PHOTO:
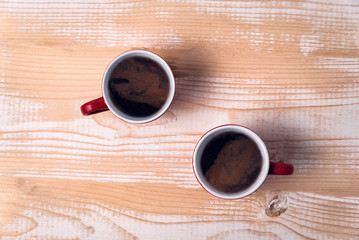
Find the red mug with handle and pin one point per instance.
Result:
(107, 103)
(266, 166)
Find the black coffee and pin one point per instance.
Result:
(231, 162)
(138, 86)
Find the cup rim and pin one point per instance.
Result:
(243, 193)
(115, 110)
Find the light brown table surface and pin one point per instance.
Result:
(289, 70)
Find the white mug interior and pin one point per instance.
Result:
(210, 136)
(106, 79)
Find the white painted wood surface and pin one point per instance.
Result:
(289, 70)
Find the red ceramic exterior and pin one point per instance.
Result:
(100, 104)
(94, 106)
(274, 168)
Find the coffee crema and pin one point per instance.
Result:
(231, 162)
(138, 86)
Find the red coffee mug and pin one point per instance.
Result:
(106, 103)
(267, 167)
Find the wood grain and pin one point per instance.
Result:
(289, 70)
(46, 208)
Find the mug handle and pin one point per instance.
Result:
(280, 169)
(94, 106)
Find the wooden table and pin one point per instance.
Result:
(289, 70)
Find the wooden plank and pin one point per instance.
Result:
(288, 70)
(47, 208)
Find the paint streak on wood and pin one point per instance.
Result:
(289, 70)
(88, 209)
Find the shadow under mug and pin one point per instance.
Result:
(267, 167)
(106, 103)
